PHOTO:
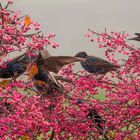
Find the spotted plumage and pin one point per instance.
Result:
(95, 65)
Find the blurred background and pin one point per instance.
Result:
(70, 20)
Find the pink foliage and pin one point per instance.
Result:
(69, 115)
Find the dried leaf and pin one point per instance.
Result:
(4, 83)
(27, 21)
(25, 137)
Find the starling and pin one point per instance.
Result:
(15, 67)
(137, 38)
(42, 78)
(96, 65)
(47, 68)
(46, 82)
(94, 116)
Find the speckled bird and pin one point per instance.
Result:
(96, 65)
(137, 38)
(15, 67)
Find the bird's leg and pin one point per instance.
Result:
(57, 77)
(101, 77)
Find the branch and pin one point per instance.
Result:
(111, 38)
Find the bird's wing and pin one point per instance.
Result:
(45, 54)
(55, 63)
(52, 78)
(61, 78)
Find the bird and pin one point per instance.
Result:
(96, 118)
(96, 65)
(137, 38)
(93, 115)
(43, 80)
(44, 71)
(15, 67)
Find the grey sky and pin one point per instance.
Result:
(70, 19)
